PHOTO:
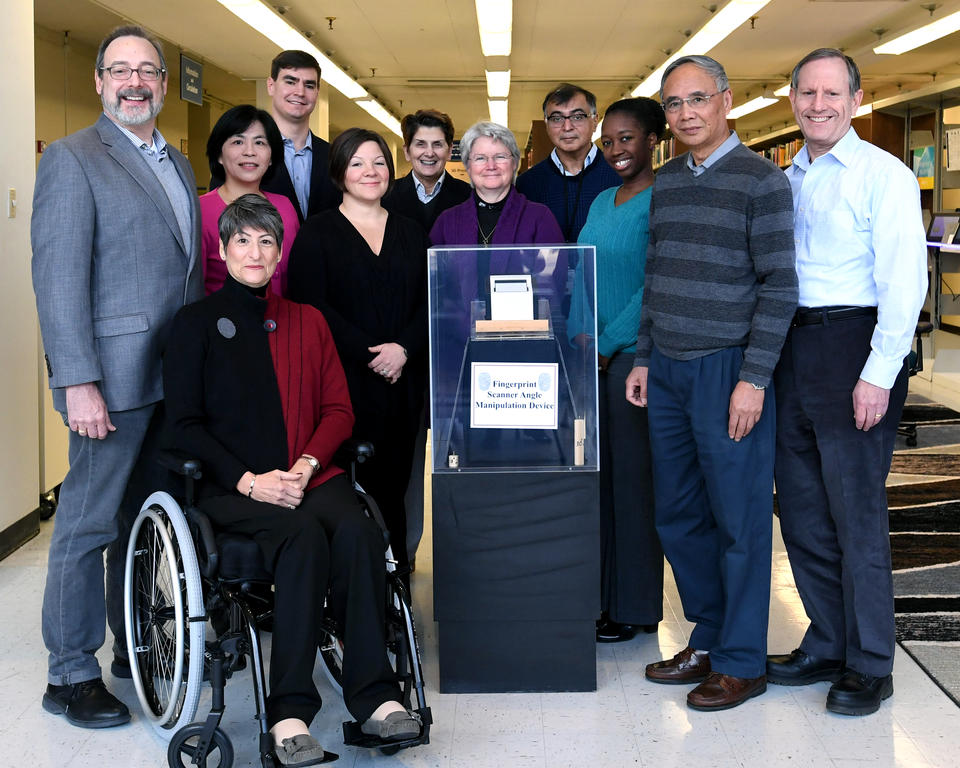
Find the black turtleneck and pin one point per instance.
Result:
(222, 400)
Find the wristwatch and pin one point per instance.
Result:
(758, 387)
(312, 462)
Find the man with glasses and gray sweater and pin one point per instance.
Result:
(720, 291)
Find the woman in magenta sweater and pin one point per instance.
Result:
(243, 150)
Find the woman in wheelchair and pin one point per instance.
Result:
(255, 390)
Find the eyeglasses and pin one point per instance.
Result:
(558, 118)
(697, 101)
(147, 72)
(498, 159)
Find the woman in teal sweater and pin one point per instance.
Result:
(632, 561)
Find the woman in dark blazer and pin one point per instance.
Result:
(365, 269)
(428, 190)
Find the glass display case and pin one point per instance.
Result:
(516, 535)
(513, 362)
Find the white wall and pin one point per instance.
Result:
(19, 390)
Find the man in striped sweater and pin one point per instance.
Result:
(720, 292)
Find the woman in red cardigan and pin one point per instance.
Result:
(254, 388)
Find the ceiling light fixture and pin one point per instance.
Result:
(498, 111)
(720, 25)
(783, 91)
(498, 84)
(379, 112)
(276, 29)
(925, 34)
(751, 106)
(495, 20)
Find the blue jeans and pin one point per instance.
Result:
(88, 520)
(714, 506)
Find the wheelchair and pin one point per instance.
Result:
(180, 574)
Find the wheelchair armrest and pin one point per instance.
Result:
(209, 558)
(924, 327)
(354, 451)
(181, 463)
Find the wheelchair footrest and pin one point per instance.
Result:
(272, 759)
(353, 736)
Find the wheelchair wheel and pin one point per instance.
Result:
(182, 751)
(164, 607)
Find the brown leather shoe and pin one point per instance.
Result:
(725, 691)
(688, 666)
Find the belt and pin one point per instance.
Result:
(827, 315)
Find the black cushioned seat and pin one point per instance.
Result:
(241, 558)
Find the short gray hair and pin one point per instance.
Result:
(711, 66)
(491, 131)
(853, 72)
(251, 211)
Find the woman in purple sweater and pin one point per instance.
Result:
(496, 214)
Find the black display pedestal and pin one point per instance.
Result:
(516, 580)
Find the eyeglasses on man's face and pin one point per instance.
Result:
(697, 101)
(146, 72)
(558, 118)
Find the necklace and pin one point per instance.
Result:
(485, 236)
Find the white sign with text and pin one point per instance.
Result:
(513, 395)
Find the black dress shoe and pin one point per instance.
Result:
(88, 704)
(650, 629)
(858, 694)
(609, 631)
(799, 668)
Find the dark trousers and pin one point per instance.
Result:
(714, 500)
(385, 477)
(831, 492)
(631, 558)
(326, 543)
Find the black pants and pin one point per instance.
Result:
(386, 477)
(631, 558)
(326, 543)
(831, 491)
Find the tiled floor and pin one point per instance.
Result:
(627, 722)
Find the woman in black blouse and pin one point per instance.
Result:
(365, 269)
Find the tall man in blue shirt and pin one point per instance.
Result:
(841, 383)
(303, 176)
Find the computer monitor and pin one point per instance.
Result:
(944, 228)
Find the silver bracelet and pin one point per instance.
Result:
(250, 492)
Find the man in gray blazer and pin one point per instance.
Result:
(115, 234)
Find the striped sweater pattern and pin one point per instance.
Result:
(721, 263)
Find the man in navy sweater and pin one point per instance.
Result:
(569, 180)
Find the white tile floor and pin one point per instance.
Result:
(627, 722)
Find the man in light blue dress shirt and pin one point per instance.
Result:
(841, 384)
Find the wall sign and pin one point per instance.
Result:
(191, 80)
(513, 395)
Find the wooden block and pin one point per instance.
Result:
(512, 326)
